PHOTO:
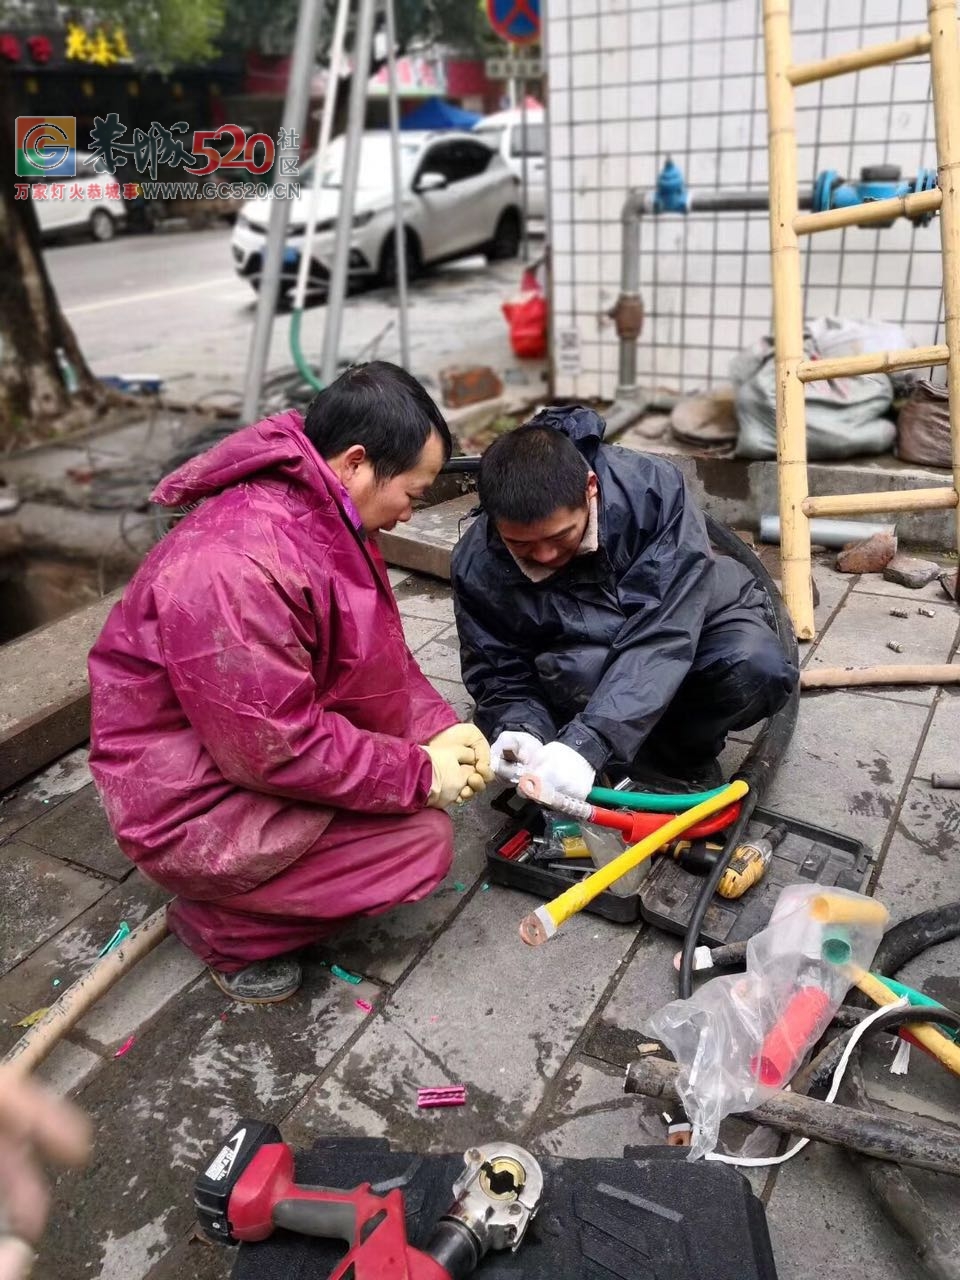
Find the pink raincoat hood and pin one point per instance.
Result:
(276, 445)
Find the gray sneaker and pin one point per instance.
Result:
(264, 982)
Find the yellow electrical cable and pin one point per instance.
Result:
(935, 1042)
(543, 923)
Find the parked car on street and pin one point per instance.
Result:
(100, 216)
(504, 132)
(459, 198)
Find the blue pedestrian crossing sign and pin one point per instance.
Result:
(515, 20)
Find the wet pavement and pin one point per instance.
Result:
(539, 1038)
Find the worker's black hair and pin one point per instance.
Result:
(530, 473)
(380, 406)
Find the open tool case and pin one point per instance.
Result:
(808, 854)
(650, 1214)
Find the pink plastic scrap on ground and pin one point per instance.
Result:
(365, 1005)
(125, 1047)
(451, 1095)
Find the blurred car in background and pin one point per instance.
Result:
(504, 132)
(99, 216)
(459, 198)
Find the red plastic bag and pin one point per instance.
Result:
(527, 318)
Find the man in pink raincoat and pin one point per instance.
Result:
(265, 745)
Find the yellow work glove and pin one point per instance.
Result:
(455, 775)
(467, 735)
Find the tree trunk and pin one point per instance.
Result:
(34, 402)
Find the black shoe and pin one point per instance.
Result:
(264, 982)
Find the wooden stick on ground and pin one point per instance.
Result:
(848, 677)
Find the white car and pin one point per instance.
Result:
(459, 198)
(99, 215)
(504, 132)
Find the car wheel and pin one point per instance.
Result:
(506, 238)
(388, 259)
(102, 226)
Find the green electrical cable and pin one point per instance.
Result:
(648, 801)
(309, 377)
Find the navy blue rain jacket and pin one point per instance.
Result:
(593, 655)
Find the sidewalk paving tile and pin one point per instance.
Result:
(590, 1115)
(40, 896)
(440, 659)
(68, 954)
(38, 794)
(824, 1222)
(847, 763)
(157, 979)
(922, 864)
(480, 1009)
(858, 638)
(164, 1108)
(418, 631)
(421, 597)
(77, 831)
(383, 946)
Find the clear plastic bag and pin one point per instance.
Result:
(740, 1037)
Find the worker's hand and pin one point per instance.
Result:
(467, 735)
(511, 754)
(562, 768)
(35, 1125)
(455, 775)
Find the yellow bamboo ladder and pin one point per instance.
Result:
(787, 224)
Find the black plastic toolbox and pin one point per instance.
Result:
(667, 893)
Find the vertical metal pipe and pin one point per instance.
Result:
(294, 117)
(788, 321)
(945, 70)
(323, 142)
(525, 193)
(398, 222)
(636, 204)
(363, 40)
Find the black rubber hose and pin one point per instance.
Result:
(901, 943)
(818, 1071)
(937, 1249)
(764, 756)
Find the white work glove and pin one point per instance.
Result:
(563, 769)
(511, 754)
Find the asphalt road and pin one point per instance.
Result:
(170, 304)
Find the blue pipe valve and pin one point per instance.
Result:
(671, 195)
(830, 191)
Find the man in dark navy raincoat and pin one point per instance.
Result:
(598, 630)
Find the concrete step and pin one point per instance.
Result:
(45, 709)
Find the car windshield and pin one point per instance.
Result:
(374, 172)
(491, 135)
(534, 145)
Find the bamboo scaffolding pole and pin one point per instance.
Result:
(864, 215)
(873, 362)
(855, 504)
(945, 80)
(788, 320)
(849, 677)
(877, 55)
